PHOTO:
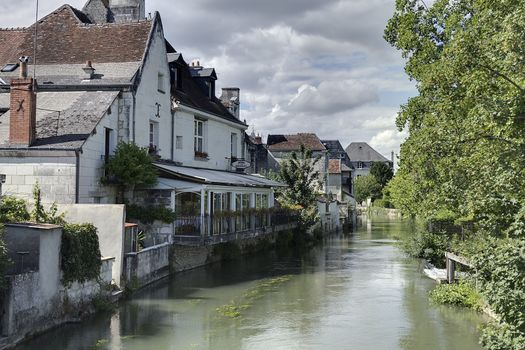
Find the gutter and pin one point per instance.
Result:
(239, 124)
(172, 136)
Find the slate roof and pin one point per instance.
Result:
(72, 74)
(66, 36)
(336, 151)
(362, 152)
(191, 94)
(293, 142)
(203, 72)
(64, 119)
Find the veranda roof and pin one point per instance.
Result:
(215, 177)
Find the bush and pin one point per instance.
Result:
(13, 210)
(500, 269)
(457, 294)
(429, 246)
(80, 253)
(148, 214)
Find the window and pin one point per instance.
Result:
(153, 134)
(359, 165)
(10, 67)
(108, 143)
(160, 82)
(178, 142)
(233, 145)
(199, 137)
(210, 85)
(178, 77)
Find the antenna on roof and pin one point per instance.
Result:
(34, 47)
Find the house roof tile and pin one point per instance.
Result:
(294, 142)
(66, 37)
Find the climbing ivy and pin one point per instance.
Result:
(80, 251)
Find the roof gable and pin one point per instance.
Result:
(362, 152)
(67, 36)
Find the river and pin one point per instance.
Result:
(355, 292)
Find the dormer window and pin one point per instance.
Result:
(10, 67)
(210, 85)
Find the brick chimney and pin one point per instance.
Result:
(22, 122)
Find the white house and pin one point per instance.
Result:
(95, 80)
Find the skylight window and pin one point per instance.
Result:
(10, 67)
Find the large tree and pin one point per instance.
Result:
(382, 173)
(366, 187)
(465, 150)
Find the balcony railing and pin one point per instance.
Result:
(225, 227)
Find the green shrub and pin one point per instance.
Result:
(500, 269)
(13, 210)
(148, 214)
(457, 294)
(383, 203)
(426, 245)
(80, 251)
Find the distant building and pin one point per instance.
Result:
(339, 170)
(281, 147)
(362, 156)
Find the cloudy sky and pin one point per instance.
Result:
(302, 65)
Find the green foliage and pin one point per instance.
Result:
(129, 167)
(426, 245)
(366, 187)
(4, 259)
(465, 151)
(80, 253)
(382, 173)
(148, 214)
(13, 210)
(40, 214)
(298, 172)
(500, 268)
(457, 294)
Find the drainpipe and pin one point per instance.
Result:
(133, 117)
(172, 135)
(77, 177)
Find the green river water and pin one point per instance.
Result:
(355, 292)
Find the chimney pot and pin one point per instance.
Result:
(23, 66)
(89, 70)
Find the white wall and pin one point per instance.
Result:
(217, 136)
(92, 160)
(148, 96)
(109, 220)
(55, 176)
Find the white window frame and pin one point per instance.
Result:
(198, 135)
(153, 133)
(234, 145)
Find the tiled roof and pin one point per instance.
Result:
(334, 166)
(66, 37)
(64, 120)
(294, 142)
(362, 152)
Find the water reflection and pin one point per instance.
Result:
(355, 292)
